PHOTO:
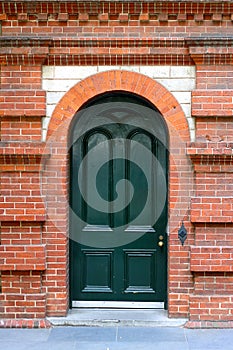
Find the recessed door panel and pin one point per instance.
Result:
(140, 271)
(96, 269)
(92, 212)
(140, 172)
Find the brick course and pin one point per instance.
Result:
(120, 46)
(22, 257)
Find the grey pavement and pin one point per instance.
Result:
(112, 338)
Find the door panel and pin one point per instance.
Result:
(118, 203)
(140, 271)
(91, 216)
(97, 269)
(138, 179)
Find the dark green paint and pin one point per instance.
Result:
(135, 271)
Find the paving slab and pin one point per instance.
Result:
(133, 346)
(168, 334)
(62, 345)
(210, 339)
(82, 334)
(21, 336)
(116, 338)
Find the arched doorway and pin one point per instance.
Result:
(180, 177)
(118, 200)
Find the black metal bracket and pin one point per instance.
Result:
(182, 233)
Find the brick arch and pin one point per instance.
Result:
(114, 80)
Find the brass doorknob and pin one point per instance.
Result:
(160, 244)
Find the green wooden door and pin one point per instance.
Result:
(118, 202)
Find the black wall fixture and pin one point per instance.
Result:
(182, 233)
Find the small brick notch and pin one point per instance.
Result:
(42, 17)
(103, 17)
(123, 17)
(144, 17)
(217, 17)
(3, 16)
(22, 17)
(83, 17)
(63, 17)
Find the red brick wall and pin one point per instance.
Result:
(214, 129)
(211, 208)
(120, 17)
(37, 33)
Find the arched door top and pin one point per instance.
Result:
(116, 80)
(122, 108)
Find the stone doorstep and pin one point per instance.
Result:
(120, 317)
